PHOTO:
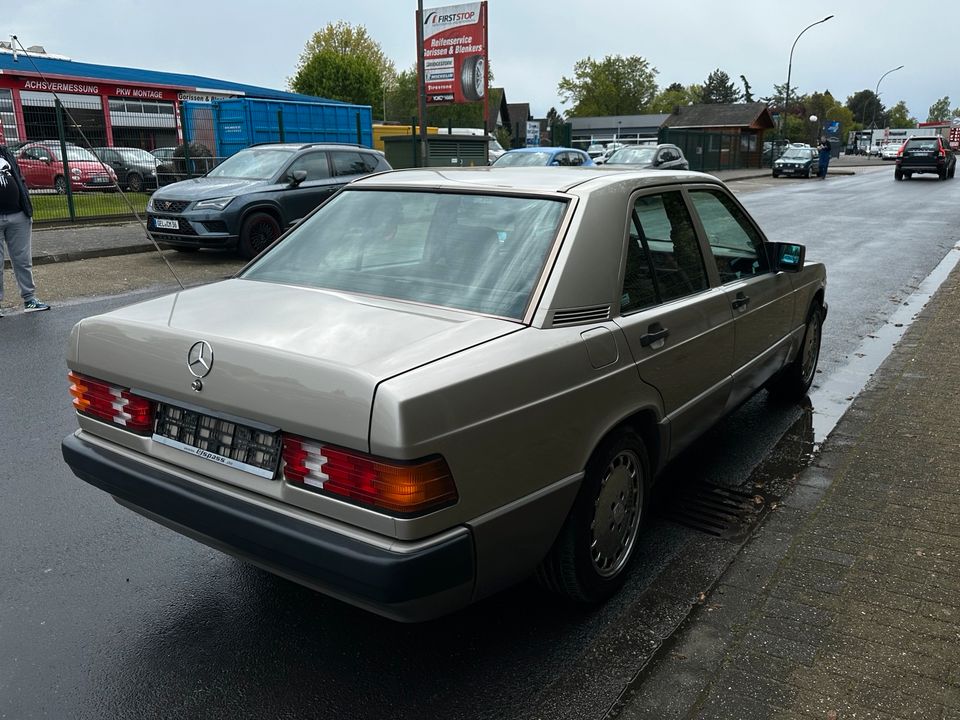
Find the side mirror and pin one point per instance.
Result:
(788, 257)
(297, 177)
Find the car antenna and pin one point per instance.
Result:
(116, 184)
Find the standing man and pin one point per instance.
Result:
(824, 148)
(16, 224)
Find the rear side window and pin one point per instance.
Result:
(664, 261)
(736, 244)
(352, 163)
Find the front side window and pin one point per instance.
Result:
(315, 164)
(664, 261)
(737, 245)
(477, 252)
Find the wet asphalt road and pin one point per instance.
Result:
(104, 614)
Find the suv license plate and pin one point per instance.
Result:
(165, 224)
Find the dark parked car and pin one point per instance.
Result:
(136, 169)
(662, 157)
(796, 161)
(247, 201)
(926, 155)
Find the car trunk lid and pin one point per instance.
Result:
(303, 360)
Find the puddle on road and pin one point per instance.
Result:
(832, 399)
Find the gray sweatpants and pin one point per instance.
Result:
(15, 232)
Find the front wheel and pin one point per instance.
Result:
(591, 555)
(258, 232)
(794, 381)
(60, 185)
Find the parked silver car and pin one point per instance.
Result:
(444, 380)
(664, 156)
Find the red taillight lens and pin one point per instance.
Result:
(111, 403)
(393, 486)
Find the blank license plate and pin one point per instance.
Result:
(166, 224)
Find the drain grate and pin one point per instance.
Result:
(723, 512)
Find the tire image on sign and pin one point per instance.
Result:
(472, 80)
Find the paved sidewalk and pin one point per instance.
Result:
(847, 602)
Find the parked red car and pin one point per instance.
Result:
(41, 165)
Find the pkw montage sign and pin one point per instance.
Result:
(455, 53)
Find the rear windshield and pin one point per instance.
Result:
(633, 156)
(923, 144)
(477, 252)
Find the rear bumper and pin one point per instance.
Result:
(417, 582)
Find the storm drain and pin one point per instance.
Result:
(728, 513)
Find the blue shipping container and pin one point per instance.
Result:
(242, 122)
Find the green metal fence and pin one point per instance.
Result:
(77, 156)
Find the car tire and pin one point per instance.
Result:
(135, 182)
(60, 185)
(584, 565)
(776, 174)
(794, 381)
(257, 233)
(472, 77)
(898, 174)
(952, 171)
(807, 173)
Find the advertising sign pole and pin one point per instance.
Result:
(421, 87)
(486, 95)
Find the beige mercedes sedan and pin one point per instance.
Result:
(444, 381)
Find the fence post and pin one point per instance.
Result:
(280, 124)
(61, 134)
(187, 132)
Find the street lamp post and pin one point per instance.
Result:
(876, 97)
(786, 101)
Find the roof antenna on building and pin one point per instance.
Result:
(13, 45)
(116, 184)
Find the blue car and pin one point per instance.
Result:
(540, 156)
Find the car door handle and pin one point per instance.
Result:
(740, 301)
(656, 333)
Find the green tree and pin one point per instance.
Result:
(674, 95)
(899, 117)
(343, 62)
(940, 110)
(747, 92)
(867, 108)
(719, 88)
(616, 85)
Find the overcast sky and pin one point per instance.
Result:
(533, 43)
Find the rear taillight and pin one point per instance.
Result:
(397, 487)
(111, 403)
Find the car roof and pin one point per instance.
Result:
(549, 149)
(527, 179)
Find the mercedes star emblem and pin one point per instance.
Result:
(200, 359)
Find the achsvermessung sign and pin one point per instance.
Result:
(455, 53)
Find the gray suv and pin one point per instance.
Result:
(247, 201)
